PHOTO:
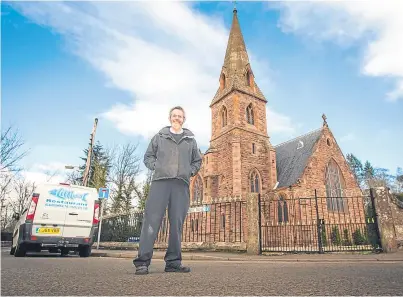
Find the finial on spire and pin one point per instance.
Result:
(234, 2)
(324, 119)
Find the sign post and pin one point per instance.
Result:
(102, 195)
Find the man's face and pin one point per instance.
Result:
(177, 118)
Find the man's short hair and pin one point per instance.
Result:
(177, 107)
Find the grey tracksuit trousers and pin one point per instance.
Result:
(171, 193)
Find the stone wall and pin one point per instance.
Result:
(186, 246)
(397, 215)
(390, 219)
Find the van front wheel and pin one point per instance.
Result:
(85, 251)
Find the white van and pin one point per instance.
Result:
(58, 218)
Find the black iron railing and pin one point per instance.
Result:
(207, 223)
(318, 224)
(121, 228)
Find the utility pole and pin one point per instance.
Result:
(88, 163)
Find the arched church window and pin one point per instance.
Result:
(282, 209)
(254, 181)
(197, 193)
(223, 116)
(334, 187)
(249, 114)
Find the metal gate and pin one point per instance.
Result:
(318, 224)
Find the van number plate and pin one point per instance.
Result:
(47, 230)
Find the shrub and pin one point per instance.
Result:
(358, 238)
(346, 239)
(335, 236)
(324, 237)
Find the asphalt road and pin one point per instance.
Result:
(47, 275)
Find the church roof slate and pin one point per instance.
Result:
(292, 157)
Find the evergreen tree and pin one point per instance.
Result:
(356, 167)
(143, 194)
(369, 171)
(399, 184)
(99, 168)
(399, 177)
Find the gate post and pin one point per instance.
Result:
(384, 219)
(374, 214)
(319, 225)
(253, 227)
(259, 201)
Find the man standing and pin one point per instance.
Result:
(174, 157)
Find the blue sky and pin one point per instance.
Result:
(63, 64)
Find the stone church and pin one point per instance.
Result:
(241, 159)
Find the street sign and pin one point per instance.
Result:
(103, 193)
(204, 208)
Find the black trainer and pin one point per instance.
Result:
(179, 268)
(141, 270)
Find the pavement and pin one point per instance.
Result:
(51, 275)
(223, 256)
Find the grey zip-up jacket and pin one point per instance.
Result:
(169, 159)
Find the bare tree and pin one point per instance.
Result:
(23, 191)
(50, 174)
(124, 171)
(15, 194)
(10, 152)
(75, 177)
(5, 190)
(5, 185)
(142, 191)
(6, 217)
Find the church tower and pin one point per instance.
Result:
(240, 159)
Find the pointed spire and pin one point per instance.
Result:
(236, 71)
(236, 56)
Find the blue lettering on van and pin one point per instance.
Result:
(66, 194)
(66, 204)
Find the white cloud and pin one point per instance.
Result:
(162, 53)
(279, 123)
(38, 177)
(378, 24)
(40, 173)
(51, 167)
(348, 137)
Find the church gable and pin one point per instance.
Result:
(326, 165)
(292, 157)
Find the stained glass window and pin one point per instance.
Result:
(254, 181)
(334, 187)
